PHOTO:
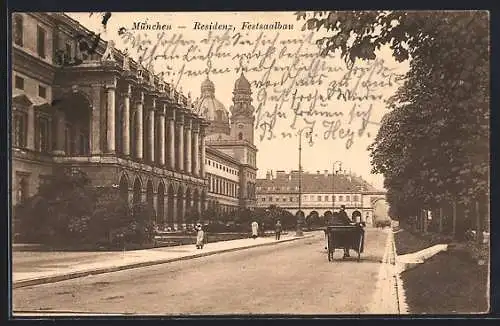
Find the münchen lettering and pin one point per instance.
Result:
(153, 27)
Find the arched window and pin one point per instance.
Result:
(22, 188)
(42, 136)
(240, 136)
(18, 30)
(19, 128)
(218, 115)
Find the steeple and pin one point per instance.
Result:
(242, 94)
(242, 119)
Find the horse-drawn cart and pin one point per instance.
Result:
(345, 236)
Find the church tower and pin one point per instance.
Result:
(242, 118)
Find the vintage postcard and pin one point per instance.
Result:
(249, 163)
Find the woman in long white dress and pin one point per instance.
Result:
(255, 229)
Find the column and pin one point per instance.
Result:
(30, 128)
(76, 139)
(165, 208)
(198, 207)
(110, 118)
(95, 127)
(130, 199)
(196, 155)
(126, 122)
(155, 208)
(60, 125)
(180, 143)
(187, 146)
(182, 213)
(171, 141)
(139, 128)
(202, 165)
(144, 197)
(174, 210)
(151, 133)
(161, 131)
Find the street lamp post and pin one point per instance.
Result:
(299, 213)
(333, 182)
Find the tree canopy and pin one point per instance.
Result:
(433, 146)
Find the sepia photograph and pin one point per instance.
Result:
(273, 163)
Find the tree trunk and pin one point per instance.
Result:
(425, 220)
(440, 220)
(419, 220)
(479, 224)
(454, 227)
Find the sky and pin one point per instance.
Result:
(339, 108)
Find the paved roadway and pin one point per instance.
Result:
(287, 278)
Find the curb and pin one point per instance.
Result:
(58, 278)
(400, 291)
(412, 260)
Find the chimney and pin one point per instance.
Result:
(268, 175)
(326, 173)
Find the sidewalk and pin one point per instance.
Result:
(32, 268)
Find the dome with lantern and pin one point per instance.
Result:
(212, 109)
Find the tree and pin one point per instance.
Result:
(60, 211)
(433, 146)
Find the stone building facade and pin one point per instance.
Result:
(320, 193)
(79, 102)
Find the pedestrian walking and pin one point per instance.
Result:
(200, 237)
(278, 228)
(255, 229)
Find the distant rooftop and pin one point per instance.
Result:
(320, 182)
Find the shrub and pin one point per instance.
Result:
(68, 212)
(382, 223)
(216, 227)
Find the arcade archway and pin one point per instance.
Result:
(136, 199)
(124, 188)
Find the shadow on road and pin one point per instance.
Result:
(337, 258)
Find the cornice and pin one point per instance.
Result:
(31, 66)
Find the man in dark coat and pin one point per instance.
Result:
(343, 217)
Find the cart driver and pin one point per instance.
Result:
(341, 218)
